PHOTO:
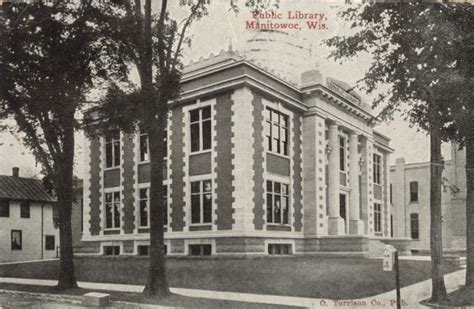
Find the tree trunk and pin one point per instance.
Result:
(64, 190)
(470, 211)
(157, 283)
(155, 117)
(438, 292)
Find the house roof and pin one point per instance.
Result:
(19, 188)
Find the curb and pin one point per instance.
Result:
(77, 300)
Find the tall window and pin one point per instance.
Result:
(391, 225)
(112, 210)
(414, 226)
(414, 191)
(145, 148)
(24, 209)
(201, 136)
(276, 131)
(143, 207)
(144, 220)
(112, 149)
(4, 209)
(391, 192)
(342, 153)
(277, 202)
(201, 201)
(377, 218)
(377, 169)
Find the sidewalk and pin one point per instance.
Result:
(411, 295)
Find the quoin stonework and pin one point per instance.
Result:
(256, 164)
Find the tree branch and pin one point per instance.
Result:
(183, 32)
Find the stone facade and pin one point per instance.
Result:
(284, 169)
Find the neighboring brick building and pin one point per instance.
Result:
(411, 202)
(27, 230)
(256, 165)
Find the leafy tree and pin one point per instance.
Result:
(152, 44)
(49, 60)
(418, 48)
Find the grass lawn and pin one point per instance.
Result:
(173, 300)
(316, 277)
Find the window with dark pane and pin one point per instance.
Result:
(414, 226)
(201, 130)
(49, 243)
(200, 249)
(414, 191)
(342, 153)
(377, 169)
(4, 208)
(112, 149)
(277, 202)
(25, 209)
(144, 149)
(377, 217)
(143, 250)
(16, 240)
(112, 210)
(143, 207)
(112, 250)
(201, 201)
(276, 131)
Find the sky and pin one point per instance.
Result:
(223, 27)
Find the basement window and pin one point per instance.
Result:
(145, 250)
(200, 249)
(111, 250)
(279, 249)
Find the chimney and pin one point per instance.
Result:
(16, 171)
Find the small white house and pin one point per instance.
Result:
(27, 230)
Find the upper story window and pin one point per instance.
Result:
(342, 153)
(4, 209)
(112, 210)
(145, 148)
(201, 201)
(112, 149)
(414, 191)
(377, 169)
(276, 131)
(24, 209)
(414, 226)
(277, 202)
(378, 218)
(201, 135)
(144, 217)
